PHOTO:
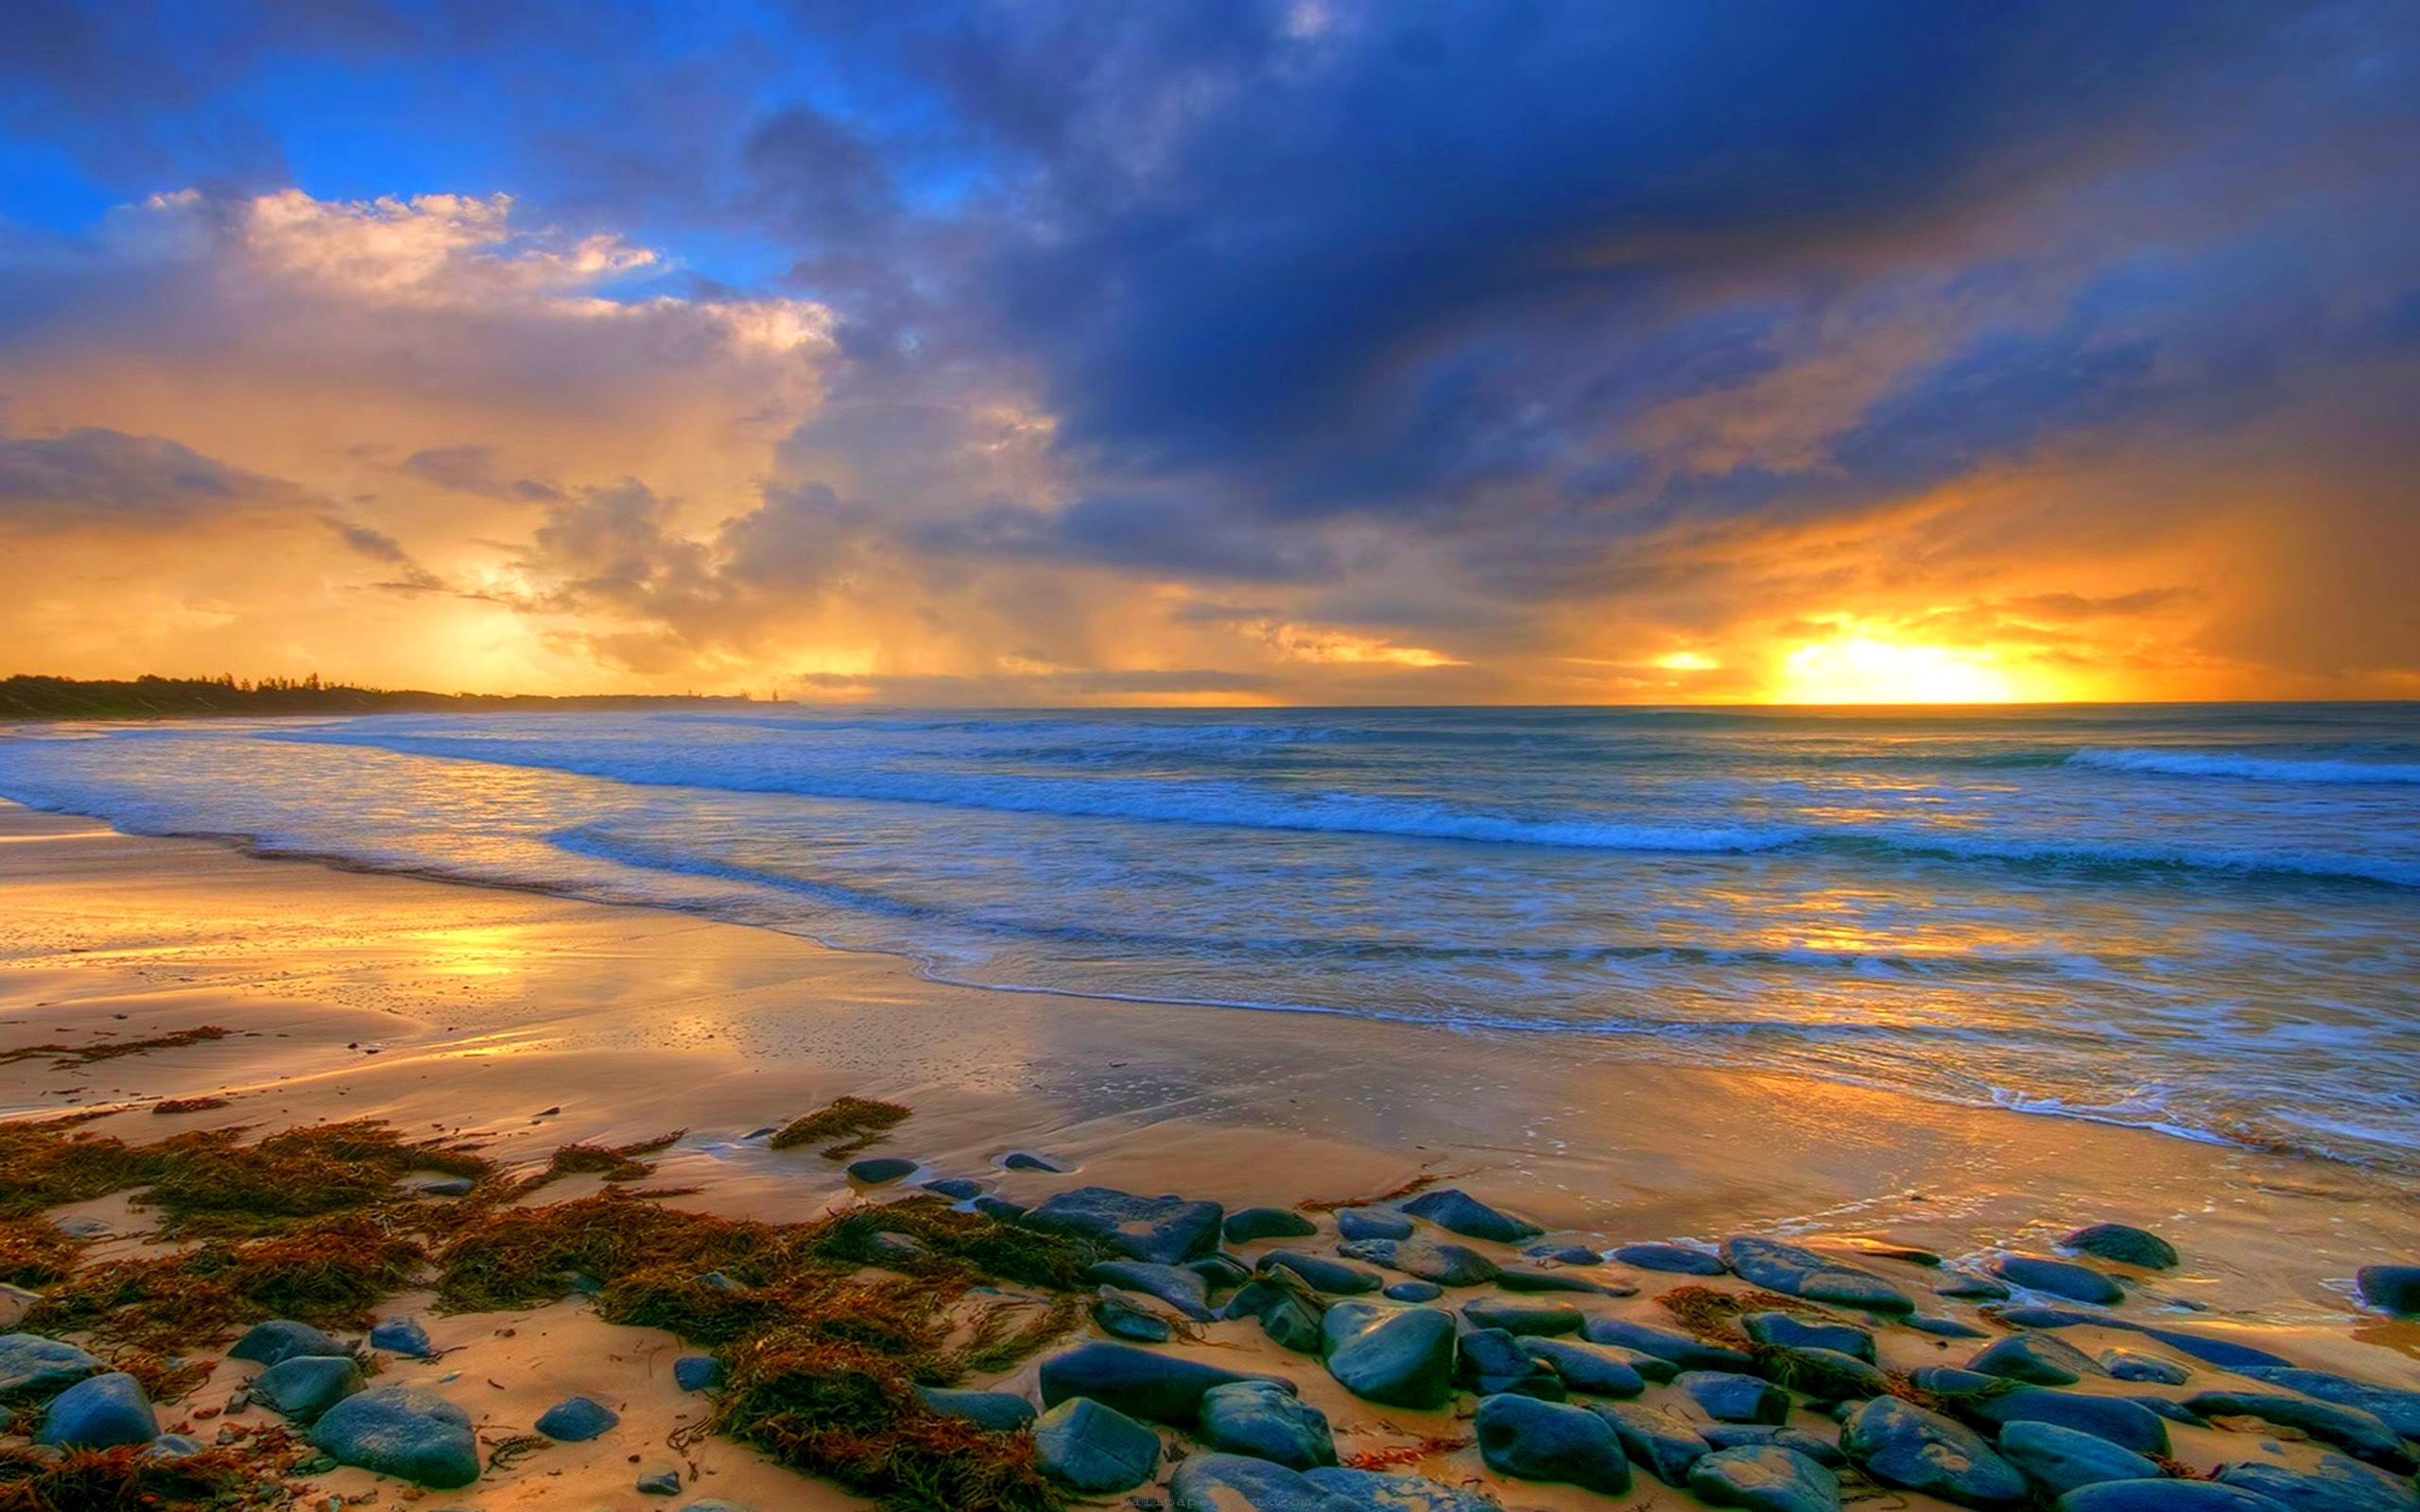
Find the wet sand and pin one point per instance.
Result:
(532, 1022)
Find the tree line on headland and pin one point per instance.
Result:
(25, 696)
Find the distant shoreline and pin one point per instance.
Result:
(24, 697)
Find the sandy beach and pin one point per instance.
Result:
(526, 1023)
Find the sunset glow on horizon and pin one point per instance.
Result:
(1334, 353)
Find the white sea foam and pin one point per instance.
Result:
(2245, 768)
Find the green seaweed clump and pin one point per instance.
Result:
(222, 1478)
(210, 1182)
(614, 1163)
(328, 1273)
(856, 1122)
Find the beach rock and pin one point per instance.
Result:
(1159, 1387)
(577, 1419)
(1447, 1265)
(304, 1385)
(2126, 1424)
(1257, 1418)
(282, 1338)
(1733, 1435)
(1027, 1160)
(2390, 1288)
(1218, 1272)
(1094, 1449)
(1946, 1328)
(1679, 1260)
(2124, 1244)
(1165, 1230)
(1375, 1491)
(660, 1483)
(1000, 1410)
(713, 1503)
(1335, 1277)
(1119, 1318)
(405, 1336)
(2059, 1277)
(1903, 1445)
(446, 1186)
(956, 1187)
(1531, 1319)
(1489, 1360)
(1245, 1225)
(31, 1366)
(1546, 1279)
(1371, 1223)
(896, 1248)
(99, 1411)
(2224, 1353)
(172, 1446)
(1550, 1441)
(399, 1431)
(1400, 1356)
(2335, 1484)
(1662, 1441)
(1783, 1331)
(1971, 1289)
(880, 1170)
(2036, 1359)
(1728, 1398)
(1180, 1289)
(1765, 1478)
(1414, 1291)
(1799, 1272)
(2127, 1365)
(1238, 1483)
(2175, 1412)
(1451, 1207)
(2396, 1408)
(1685, 1350)
(1954, 1385)
(1564, 1254)
(698, 1372)
(2357, 1432)
(1289, 1311)
(2163, 1496)
(1589, 1368)
(1827, 1375)
(2057, 1460)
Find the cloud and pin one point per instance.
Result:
(96, 479)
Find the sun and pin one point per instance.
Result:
(1864, 669)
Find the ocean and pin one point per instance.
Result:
(2202, 919)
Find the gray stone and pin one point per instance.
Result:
(1765, 1478)
(281, 1338)
(2124, 1244)
(1551, 1441)
(1166, 1229)
(2126, 1424)
(304, 1385)
(448, 1186)
(697, 1372)
(1289, 1309)
(1781, 1331)
(1528, 1319)
(1027, 1160)
(1238, 1483)
(1661, 1441)
(2059, 1277)
(1257, 1418)
(1400, 1356)
(1679, 1260)
(1000, 1210)
(1158, 1387)
(1412, 1291)
(2129, 1364)
(1825, 1374)
(1971, 1289)
(1798, 1441)
(1946, 1328)
(31, 1366)
(405, 1336)
(2057, 1460)
(1375, 1491)
(1218, 1272)
(2224, 1353)
(2396, 1408)
(1000, 1410)
(1801, 1272)
(172, 1446)
(577, 1419)
(1114, 1315)
(1335, 1277)
(880, 1170)
(1450, 1208)
(2357, 1432)
(1594, 1369)
(2163, 1496)
(1905, 1446)
(399, 1431)
(1371, 1223)
(660, 1483)
(897, 1249)
(1728, 1398)
(1095, 1448)
(1489, 1360)
(1245, 1225)
(956, 1187)
(2390, 1288)
(1180, 1289)
(1685, 1350)
(2036, 1359)
(99, 1411)
(1447, 1265)
(2335, 1484)
(1564, 1254)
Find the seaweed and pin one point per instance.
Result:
(188, 1105)
(1714, 1315)
(614, 1163)
(33, 1251)
(112, 1048)
(44, 1163)
(856, 1122)
(327, 1273)
(211, 1183)
(223, 1478)
(1412, 1187)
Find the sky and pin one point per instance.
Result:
(1320, 351)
